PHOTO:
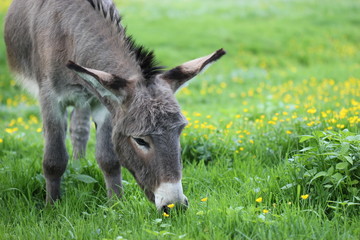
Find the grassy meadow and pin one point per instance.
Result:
(272, 149)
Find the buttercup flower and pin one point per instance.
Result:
(171, 205)
(306, 196)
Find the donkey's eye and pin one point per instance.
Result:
(142, 142)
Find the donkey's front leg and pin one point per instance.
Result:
(55, 154)
(79, 130)
(105, 155)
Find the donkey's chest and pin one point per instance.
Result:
(76, 96)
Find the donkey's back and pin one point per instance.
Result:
(42, 36)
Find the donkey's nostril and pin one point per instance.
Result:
(166, 209)
(186, 202)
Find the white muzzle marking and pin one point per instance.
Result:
(168, 193)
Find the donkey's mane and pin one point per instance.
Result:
(145, 58)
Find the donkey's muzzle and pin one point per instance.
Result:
(169, 195)
(178, 207)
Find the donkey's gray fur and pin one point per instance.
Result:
(131, 100)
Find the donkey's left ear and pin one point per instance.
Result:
(183, 73)
(110, 89)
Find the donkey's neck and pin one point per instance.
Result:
(128, 54)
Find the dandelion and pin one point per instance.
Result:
(251, 141)
(12, 123)
(306, 196)
(229, 125)
(204, 199)
(20, 120)
(166, 215)
(1, 140)
(33, 119)
(259, 200)
(265, 211)
(310, 123)
(38, 130)
(223, 85)
(288, 132)
(11, 130)
(171, 205)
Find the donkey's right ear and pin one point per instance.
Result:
(108, 88)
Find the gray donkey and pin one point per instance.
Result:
(128, 95)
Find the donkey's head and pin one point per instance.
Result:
(147, 123)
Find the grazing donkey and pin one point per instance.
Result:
(129, 97)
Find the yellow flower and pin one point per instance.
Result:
(306, 196)
(171, 205)
(38, 130)
(204, 199)
(12, 123)
(265, 211)
(1, 140)
(11, 130)
(229, 125)
(166, 215)
(259, 200)
(223, 85)
(20, 120)
(33, 119)
(288, 132)
(311, 110)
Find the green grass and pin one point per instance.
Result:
(292, 69)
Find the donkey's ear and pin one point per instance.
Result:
(183, 73)
(108, 88)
